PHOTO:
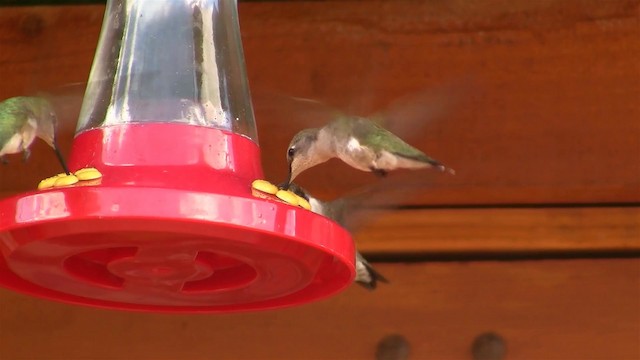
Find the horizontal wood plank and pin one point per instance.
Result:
(549, 114)
(580, 309)
(503, 231)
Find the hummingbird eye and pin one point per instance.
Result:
(291, 152)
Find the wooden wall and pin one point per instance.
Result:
(541, 122)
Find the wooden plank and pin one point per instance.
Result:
(581, 309)
(503, 231)
(531, 128)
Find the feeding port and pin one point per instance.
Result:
(172, 224)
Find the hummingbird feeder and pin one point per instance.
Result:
(172, 225)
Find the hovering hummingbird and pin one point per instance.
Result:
(337, 210)
(359, 142)
(22, 119)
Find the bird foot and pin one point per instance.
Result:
(378, 172)
(26, 153)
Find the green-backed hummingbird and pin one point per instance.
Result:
(22, 119)
(360, 142)
(338, 211)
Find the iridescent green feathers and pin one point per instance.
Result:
(16, 112)
(13, 116)
(379, 139)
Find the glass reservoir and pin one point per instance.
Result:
(170, 61)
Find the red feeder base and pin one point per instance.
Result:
(169, 229)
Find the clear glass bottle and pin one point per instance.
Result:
(169, 61)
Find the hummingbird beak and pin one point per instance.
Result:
(56, 149)
(287, 182)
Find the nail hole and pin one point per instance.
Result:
(393, 347)
(32, 25)
(488, 346)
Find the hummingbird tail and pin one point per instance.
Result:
(424, 159)
(371, 281)
(438, 165)
(443, 168)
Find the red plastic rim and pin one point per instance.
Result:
(169, 229)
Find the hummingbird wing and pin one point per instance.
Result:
(66, 100)
(408, 115)
(296, 113)
(13, 116)
(379, 139)
(361, 206)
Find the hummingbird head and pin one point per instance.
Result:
(302, 153)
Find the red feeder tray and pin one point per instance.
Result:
(169, 228)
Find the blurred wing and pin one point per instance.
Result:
(278, 118)
(409, 115)
(296, 112)
(282, 115)
(66, 101)
(368, 202)
(371, 83)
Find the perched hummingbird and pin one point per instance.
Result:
(22, 119)
(360, 143)
(337, 211)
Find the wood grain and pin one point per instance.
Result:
(543, 309)
(546, 109)
(503, 231)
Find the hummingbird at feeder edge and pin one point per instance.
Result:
(337, 210)
(22, 119)
(361, 143)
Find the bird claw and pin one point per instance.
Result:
(26, 153)
(379, 172)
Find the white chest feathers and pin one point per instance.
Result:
(356, 155)
(316, 206)
(362, 273)
(353, 144)
(21, 140)
(364, 158)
